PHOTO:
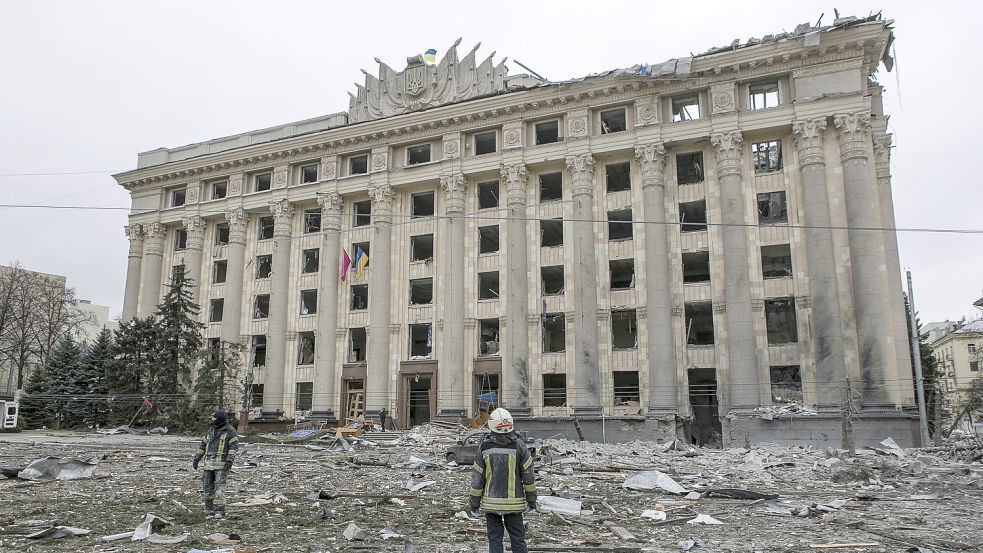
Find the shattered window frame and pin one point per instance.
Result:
(306, 348)
(766, 156)
(691, 261)
(613, 120)
(418, 154)
(617, 177)
(620, 225)
(308, 301)
(220, 270)
(265, 226)
(772, 208)
(419, 335)
(776, 261)
(216, 310)
(622, 268)
(696, 223)
(764, 95)
(786, 383)
(312, 221)
(256, 395)
(421, 291)
(781, 321)
(359, 297)
(180, 239)
(552, 290)
(311, 259)
(418, 252)
(550, 187)
(628, 318)
(555, 390)
(261, 306)
(550, 225)
(689, 168)
(264, 266)
(557, 337)
(684, 107)
(489, 285)
(489, 239)
(222, 234)
(545, 135)
(488, 194)
(626, 387)
(419, 207)
(702, 335)
(257, 350)
(304, 396)
(491, 329)
(357, 336)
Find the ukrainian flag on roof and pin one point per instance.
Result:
(430, 56)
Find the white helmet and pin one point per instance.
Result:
(500, 421)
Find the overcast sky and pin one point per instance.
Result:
(84, 86)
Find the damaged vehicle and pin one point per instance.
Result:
(465, 450)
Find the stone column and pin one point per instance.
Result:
(868, 298)
(453, 370)
(380, 297)
(661, 360)
(236, 266)
(131, 294)
(153, 260)
(742, 355)
(587, 383)
(827, 326)
(515, 384)
(276, 348)
(325, 361)
(195, 227)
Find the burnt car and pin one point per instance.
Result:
(465, 450)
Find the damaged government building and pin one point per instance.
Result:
(646, 251)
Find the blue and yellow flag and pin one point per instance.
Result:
(361, 260)
(430, 56)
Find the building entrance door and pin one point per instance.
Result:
(417, 399)
(705, 430)
(354, 399)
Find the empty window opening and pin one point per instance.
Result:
(550, 187)
(312, 221)
(219, 189)
(554, 390)
(488, 337)
(362, 213)
(974, 366)
(256, 395)
(693, 216)
(689, 168)
(613, 120)
(626, 387)
(421, 341)
(308, 302)
(356, 345)
(219, 271)
(622, 274)
(696, 267)
(484, 143)
(261, 308)
(780, 320)
(421, 291)
(786, 384)
(776, 261)
(312, 260)
(423, 204)
(705, 428)
(264, 266)
(360, 297)
(772, 208)
(216, 308)
(258, 349)
(699, 323)
(180, 239)
(763, 96)
(686, 108)
(262, 181)
(547, 132)
(222, 234)
(624, 330)
(421, 247)
(356, 258)
(266, 228)
(358, 165)
(308, 173)
(618, 176)
(554, 333)
(552, 280)
(488, 239)
(767, 156)
(177, 197)
(305, 396)
(550, 233)
(305, 348)
(488, 285)
(619, 225)
(418, 154)
(488, 194)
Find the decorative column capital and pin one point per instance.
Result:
(331, 204)
(235, 184)
(237, 225)
(195, 226)
(135, 235)
(283, 216)
(651, 159)
(808, 138)
(729, 147)
(382, 203)
(581, 168)
(882, 155)
(514, 175)
(154, 233)
(454, 187)
(853, 129)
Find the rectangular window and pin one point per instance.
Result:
(772, 208)
(699, 323)
(177, 197)
(421, 291)
(488, 285)
(258, 349)
(619, 225)
(216, 308)
(776, 261)
(312, 260)
(552, 278)
(613, 120)
(219, 189)
(305, 348)
(261, 308)
(365, 252)
(686, 108)
(547, 132)
(488, 239)
(305, 396)
(618, 176)
(358, 165)
(554, 390)
(312, 221)
(308, 173)
(786, 384)
(763, 95)
(256, 395)
(554, 333)
(219, 270)
(421, 341)
(360, 297)
(421, 247)
(180, 239)
(488, 194)
(356, 345)
(780, 321)
(264, 266)
(689, 168)
(971, 349)
(265, 228)
(626, 387)
(974, 366)
(488, 337)
(308, 302)
(550, 233)
(624, 330)
(362, 213)
(696, 267)
(262, 181)
(485, 143)
(423, 204)
(550, 187)
(418, 154)
(222, 234)
(622, 274)
(767, 156)
(692, 216)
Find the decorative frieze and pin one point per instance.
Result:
(514, 175)
(283, 215)
(382, 203)
(853, 130)
(728, 146)
(331, 203)
(454, 187)
(722, 97)
(581, 168)
(603, 314)
(237, 220)
(533, 320)
(808, 137)
(651, 159)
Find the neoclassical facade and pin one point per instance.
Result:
(651, 250)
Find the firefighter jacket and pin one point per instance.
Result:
(218, 447)
(502, 479)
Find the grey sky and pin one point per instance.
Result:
(87, 85)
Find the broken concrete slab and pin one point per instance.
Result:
(58, 532)
(59, 468)
(652, 479)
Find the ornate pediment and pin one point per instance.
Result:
(422, 85)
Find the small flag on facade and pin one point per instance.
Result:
(430, 56)
(361, 260)
(147, 404)
(249, 266)
(345, 263)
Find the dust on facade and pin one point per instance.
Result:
(649, 250)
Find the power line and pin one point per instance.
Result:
(58, 173)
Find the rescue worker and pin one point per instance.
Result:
(503, 483)
(217, 449)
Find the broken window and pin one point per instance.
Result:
(305, 396)
(222, 234)
(767, 156)
(219, 189)
(177, 197)
(261, 308)
(418, 154)
(488, 285)
(213, 349)
(776, 261)
(780, 321)
(552, 280)
(258, 349)
(421, 247)
(488, 339)
(619, 225)
(550, 233)
(484, 143)
(308, 302)
(219, 270)
(488, 239)
(262, 181)
(699, 323)
(618, 176)
(547, 132)
(423, 205)
(265, 228)
(772, 208)
(308, 173)
(264, 266)
(421, 341)
(256, 395)
(689, 168)
(180, 239)
(626, 387)
(696, 267)
(550, 187)
(622, 274)
(488, 194)
(312, 221)
(763, 95)
(692, 216)
(312, 260)
(358, 165)
(613, 120)
(686, 108)
(421, 291)
(554, 333)
(786, 384)
(305, 348)
(554, 390)
(360, 297)
(216, 308)
(624, 329)
(362, 213)
(364, 246)
(356, 345)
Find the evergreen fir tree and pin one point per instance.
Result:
(134, 353)
(180, 344)
(34, 403)
(95, 367)
(68, 390)
(218, 385)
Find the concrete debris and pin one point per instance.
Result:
(688, 544)
(353, 532)
(752, 462)
(57, 468)
(703, 519)
(652, 479)
(560, 505)
(654, 514)
(58, 532)
(892, 448)
(785, 410)
(419, 485)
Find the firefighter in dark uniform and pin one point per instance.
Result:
(217, 450)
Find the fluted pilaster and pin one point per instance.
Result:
(134, 262)
(153, 260)
(452, 375)
(325, 363)
(515, 385)
(274, 393)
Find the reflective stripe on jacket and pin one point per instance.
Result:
(502, 479)
(218, 447)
